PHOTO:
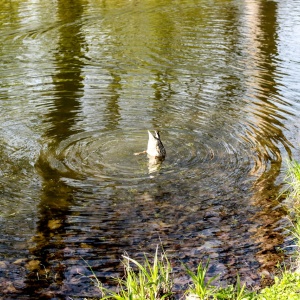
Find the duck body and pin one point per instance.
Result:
(155, 147)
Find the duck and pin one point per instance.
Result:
(155, 146)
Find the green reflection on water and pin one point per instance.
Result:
(204, 72)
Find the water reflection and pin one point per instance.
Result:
(60, 121)
(207, 74)
(112, 114)
(266, 126)
(266, 130)
(154, 164)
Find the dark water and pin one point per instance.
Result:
(81, 82)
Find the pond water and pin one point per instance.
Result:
(81, 83)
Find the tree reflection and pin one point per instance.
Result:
(59, 123)
(111, 113)
(266, 130)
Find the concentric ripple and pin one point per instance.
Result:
(109, 157)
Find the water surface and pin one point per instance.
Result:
(83, 81)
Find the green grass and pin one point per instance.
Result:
(202, 288)
(153, 279)
(150, 281)
(292, 181)
(287, 286)
(292, 194)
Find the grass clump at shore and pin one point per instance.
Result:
(292, 190)
(154, 281)
(150, 281)
(202, 288)
(287, 286)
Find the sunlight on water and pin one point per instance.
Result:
(82, 82)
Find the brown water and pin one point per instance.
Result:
(81, 82)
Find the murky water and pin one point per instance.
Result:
(81, 82)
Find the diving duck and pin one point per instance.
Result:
(155, 147)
